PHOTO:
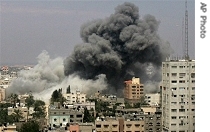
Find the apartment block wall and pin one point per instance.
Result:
(77, 97)
(133, 90)
(59, 116)
(178, 96)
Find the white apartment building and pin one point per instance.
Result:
(178, 95)
(153, 99)
(77, 97)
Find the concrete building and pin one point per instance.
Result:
(107, 125)
(74, 127)
(77, 97)
(178, 95)
(2, 94)
(121, 124)
(8, 128)
(152, 99)
(153, 122)
(88, 105)
(81, 127)
(133, 90)
(24, 112)
(59, 116)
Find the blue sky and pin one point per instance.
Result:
(29, 27)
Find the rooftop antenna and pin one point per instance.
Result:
(183, 50)
(186, 32)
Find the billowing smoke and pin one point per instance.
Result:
(48, 75)
(120, 46)
(115, 49)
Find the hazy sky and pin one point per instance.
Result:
(28, 27)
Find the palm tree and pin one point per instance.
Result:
(13, 99)
(29, 102)
(17, 115)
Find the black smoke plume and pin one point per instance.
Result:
(121, 46)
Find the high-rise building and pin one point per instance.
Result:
(133, 90)
(178, 95)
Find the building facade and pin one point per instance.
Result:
(133, 90)
(152, 99)
(59, 116)
(77, 97)
(178, 95)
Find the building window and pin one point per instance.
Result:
(193, 88)
(193, 81)
(181, 110)
(128, 125)
(79, 116)
(182, 74)
(181, 88)
(173, 74)
(181, 81)
(192, 97)
(181, 66)
(106, 126)
(173, 124)
(55, 120)
(64, 119)
(173, 117)
(173, 110)
(114, 125)
(174, 103)
(192, 75)
(174, 81)
(182, 95)
(98, 126)
(173, 66)
(173, 88)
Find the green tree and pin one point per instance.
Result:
(17, 115)
(57, 97)
(87, 116)
(39, 109)
(31, 126)
(29, 103)
(128, 105)
(13, 99)
(68, 90)
(4, 117)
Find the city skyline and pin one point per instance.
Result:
(29, 27)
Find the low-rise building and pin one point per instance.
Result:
(2, 94)
(24, 112)
(8, 128)
(59, 116)
(152, 99)
(77, 97)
